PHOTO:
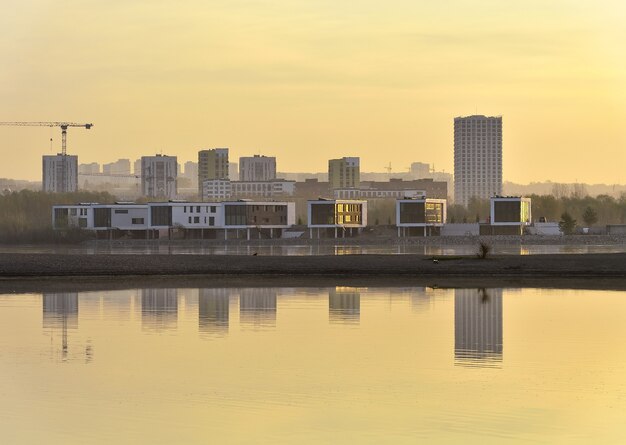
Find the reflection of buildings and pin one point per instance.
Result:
(159, 308)
(213, 307)
(60, 310)
(477, 325)
(344, 305)
(257, 306)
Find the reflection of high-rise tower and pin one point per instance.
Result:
(60, 311)
(344, 305)
(159, 308)
(257, 306)
(213, 310)
(478, 326)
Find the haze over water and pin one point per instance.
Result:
(313, 365)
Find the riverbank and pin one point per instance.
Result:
(13, 265)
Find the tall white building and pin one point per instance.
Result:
(60, 173)
(477, 158)
(158, 176)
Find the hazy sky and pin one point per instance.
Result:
(309, 80)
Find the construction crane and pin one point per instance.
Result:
(64, 126)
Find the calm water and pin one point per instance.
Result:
(313, 365)
(339, 249)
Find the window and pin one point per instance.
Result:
(197, 209)
(185, 209)
(213, 209)
(137, 220)
(189, 220)
(196, 219)
(211, 220)
(82, 222)
(73, 212)
(121, 211)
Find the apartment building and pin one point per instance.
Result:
(257, 168)
(60, 173)
(159, 176)
(344, 173)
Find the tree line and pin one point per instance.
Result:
(26, 216)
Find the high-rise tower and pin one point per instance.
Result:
(477, 158)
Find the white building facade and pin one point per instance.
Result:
(219, 189)
(477, 158)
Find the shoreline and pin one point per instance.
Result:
(364, 240)
(24, 265)
(14, 285)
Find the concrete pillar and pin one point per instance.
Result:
(225, 234)
(248, 233)
(335, 232)
(310, 233)
(272, 233)
(398, 232)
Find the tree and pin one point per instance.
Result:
(567, 224)
(590, 216)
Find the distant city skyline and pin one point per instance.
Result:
(307, 82)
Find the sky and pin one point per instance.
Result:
(306, 81)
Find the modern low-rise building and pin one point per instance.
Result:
(120, 217)
(420, 217)
(336, 217)
(230, 219)
(509, 215)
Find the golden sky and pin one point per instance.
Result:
(310, 80)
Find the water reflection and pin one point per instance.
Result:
(344, 305)
(60, 315)
(159, 309)
(140, 247)
(213, 311)
(257, 307)
(478, 327)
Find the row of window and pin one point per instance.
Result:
(83, 212)
(196, 220)
(213, 209)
